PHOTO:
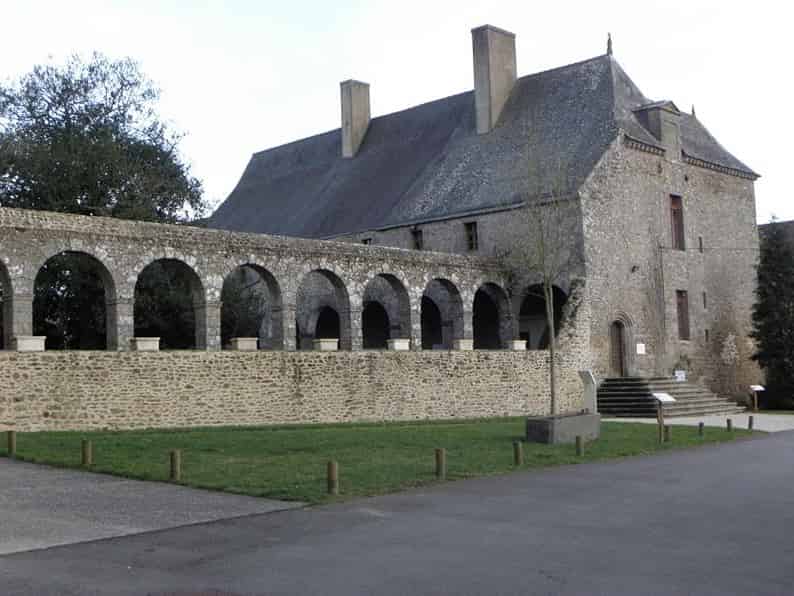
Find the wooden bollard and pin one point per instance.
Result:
(12, 443)
(700, 429)
(518, 453)
(441, 463)
(579, 446)
(730, 425)
(87, 458)
(333, 478)
(176, 465)
(750, 423)
(668, 430)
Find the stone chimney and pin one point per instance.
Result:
(494, 73)
(355, 115)
(663, 121)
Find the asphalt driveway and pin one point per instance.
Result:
(713, 520)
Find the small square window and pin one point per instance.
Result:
(418, 239)
(366, 241)
(472, 242)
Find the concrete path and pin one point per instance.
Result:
(713, 520)
(771, 423)
(42, 506)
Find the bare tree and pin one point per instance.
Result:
(544, 252)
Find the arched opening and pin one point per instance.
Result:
(532, 324)
(490, 318)
(617, 349)
(431, 325)
(6, 296)
(74, 303)
(387, 312)
(327, 324)
(445, 299)
(170, 304)
(251, 307)
(322, 310)
(375, 326)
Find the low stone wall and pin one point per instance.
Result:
(120, 390)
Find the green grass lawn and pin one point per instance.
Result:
(290, 462)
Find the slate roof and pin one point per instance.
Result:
(429, 163)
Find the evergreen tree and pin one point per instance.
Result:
(773, 313)
(85, 138)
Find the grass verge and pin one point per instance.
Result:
(289, 462)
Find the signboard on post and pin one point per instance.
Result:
(663, 398)
(755, 389)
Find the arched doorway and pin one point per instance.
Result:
(169, 303)
(533, 326)
(490, 318)
(251, 307)
(375, 326)
(322, 310)
(74, 303)
(442, 315)
(617, 349)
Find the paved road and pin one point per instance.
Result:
(716, 520)
(42, 506)
(771, 423)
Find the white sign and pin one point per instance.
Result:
(680, 376)
(664, 398)
(757, 387)
(641, 349)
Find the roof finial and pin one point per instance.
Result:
(609, 44)
(693, 110)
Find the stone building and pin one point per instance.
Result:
(383, 241)
(662, 217)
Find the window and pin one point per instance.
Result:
(700, 243)
(472, 242)
(682, 304)
(677, 222)
(418, 239)
(705, 302)
(366, 241)
(707, 335)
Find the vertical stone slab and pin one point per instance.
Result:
(468, 324)
(288, 327)
(416, 329)
(208, 326)
(120, 323)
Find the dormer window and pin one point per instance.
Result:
(366, 241)
(417, 240)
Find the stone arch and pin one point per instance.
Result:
(170, 303)
(251, 306)
(491, 318)
(620, 333)
(74, 302)
(6, 308)
(532, 326)
(386, 312)
(322, 289)
(442, 314)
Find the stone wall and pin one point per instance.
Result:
(633, 271)
(120, 390)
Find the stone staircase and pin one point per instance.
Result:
(632, 397)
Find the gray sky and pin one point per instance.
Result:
(240, 76)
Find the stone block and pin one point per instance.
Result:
(399, 345)
(29, 343)
(145, 344)
(326, 345)
(563, 428)
(465, 345)
(245, 344)
(518, 345)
